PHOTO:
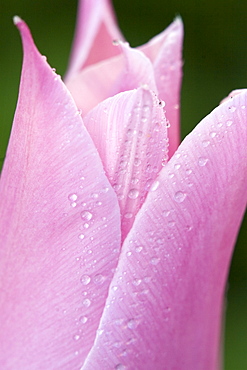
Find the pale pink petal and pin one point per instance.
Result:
(165, 52)
(232, 94)
(95, 31)
(138, 70)
(129, 131)
(59, 230)
(96, 83)
(164, 308)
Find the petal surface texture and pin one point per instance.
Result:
(130, 133)
(98, 82)
(95, 31)
(165, 302)
(157, 64)
(60, 227)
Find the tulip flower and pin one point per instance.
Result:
(115, 241)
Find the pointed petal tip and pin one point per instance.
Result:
(178, 24)
(17, 20)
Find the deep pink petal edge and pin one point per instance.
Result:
(59, 230)
(165, 303)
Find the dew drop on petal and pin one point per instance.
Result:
(137, 162)
(86, 302)
(132, 324)
(138, 249)
(166, 213)
(155, 260)
(154, 185)
(188, 171)
(162, 103)
(85, 279)
(86, 215)
(136, 282)
(98, 279)
(128, 215)
(179, 196)
(72, 197)
(133, 193)
(202, 161)
(83, 319)
(205, 143)
(232, 109)
(120, 367)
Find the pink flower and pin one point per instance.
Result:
(115, 251)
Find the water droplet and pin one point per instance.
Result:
(72, 197)
(229, 123)
(179, 196)
(212, 134)
(154, 185)
(85, 279)
(138, 249)
(117, 344)
(134, 181)
(120, 367)
(155, 260)
(232, 109)
(177, 166)
(137, 162)
(76, 337)
(98, 279)
(128, 215)
(171, 223)
(132, 324)
(188, 171)
(128, 254)
(162, 103)
(202, 161)
(133, 193)
(205, 143)
(86, 302)
(94, 195)
(114, 288)
(136, 282)
(86, 215)
(83, 319)
(166, 213)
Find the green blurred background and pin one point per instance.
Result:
(215, 62)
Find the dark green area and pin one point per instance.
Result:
(215, 62)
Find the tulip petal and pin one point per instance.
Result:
(60, 227)
(95, 31)
(129, 131)
(165, 302)
(96, 83)
(165, 51)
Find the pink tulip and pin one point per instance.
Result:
(115, 251)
